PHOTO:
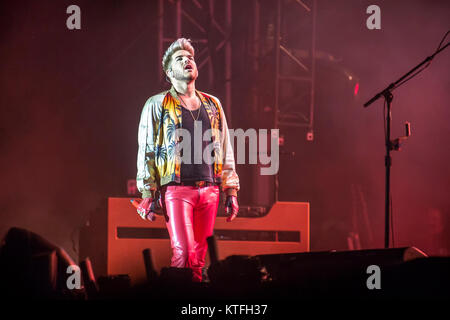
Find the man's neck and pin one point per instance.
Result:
(185, 89)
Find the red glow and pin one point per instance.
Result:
(355, 91)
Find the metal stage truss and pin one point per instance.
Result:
(204, 20)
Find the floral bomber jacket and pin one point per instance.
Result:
(158, 159)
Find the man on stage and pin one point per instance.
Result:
(184, 159)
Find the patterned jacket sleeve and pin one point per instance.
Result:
(146, 171)
(230, 179)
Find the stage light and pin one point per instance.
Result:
(356, 89)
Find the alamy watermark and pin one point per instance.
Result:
(74, 280)
(263, 146)
(374, 280)
(74, 20)
(374, 20)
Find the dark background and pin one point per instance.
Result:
(71, 100)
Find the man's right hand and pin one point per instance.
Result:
(144, 208)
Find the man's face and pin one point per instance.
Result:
(183, 66)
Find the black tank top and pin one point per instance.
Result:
(197, 170)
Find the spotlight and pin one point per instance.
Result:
(356, 89)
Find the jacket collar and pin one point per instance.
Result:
(174, 94)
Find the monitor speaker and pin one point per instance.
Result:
(336, 272)
(31, 266)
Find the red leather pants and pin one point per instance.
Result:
(192, 213)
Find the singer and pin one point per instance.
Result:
(177, 170)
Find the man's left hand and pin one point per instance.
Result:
(231, 207)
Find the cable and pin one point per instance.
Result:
(72, 239)
(391, 213)
(392, 221)
(439, 46)
(412, 76)
(423, 68)
(386, 138)
(384, 120)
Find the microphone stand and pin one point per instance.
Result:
(390, 145)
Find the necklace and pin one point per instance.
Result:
(192, 115)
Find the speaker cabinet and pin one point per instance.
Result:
(284, 229)
(343, 272)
